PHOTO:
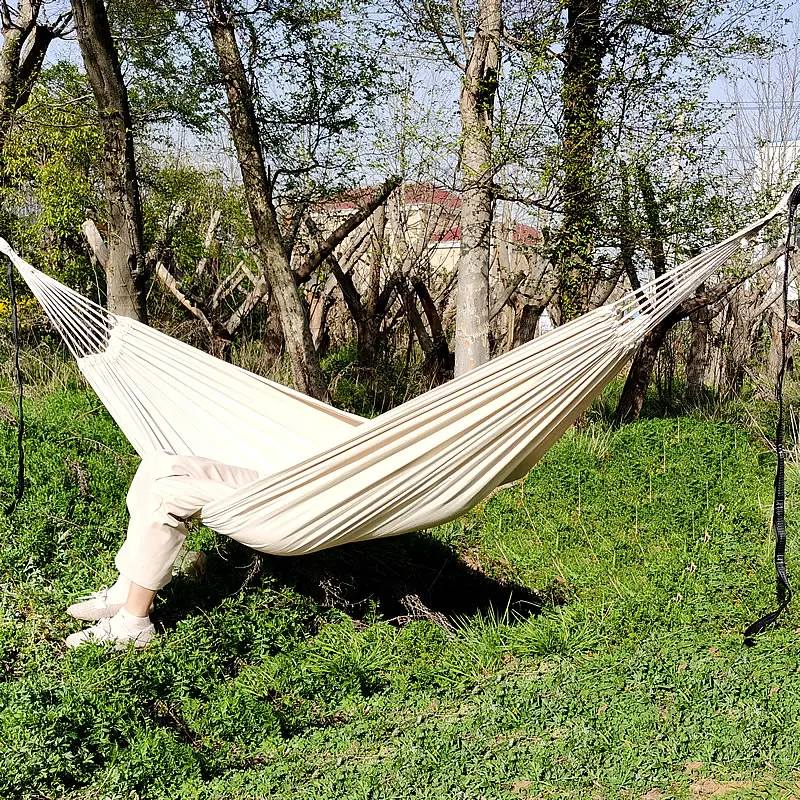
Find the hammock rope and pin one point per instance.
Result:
(329, 477)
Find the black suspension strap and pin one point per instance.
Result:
(783, 590)
(21, 419)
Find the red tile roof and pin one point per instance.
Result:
(526, 234)
(430, 195)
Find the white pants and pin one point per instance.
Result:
(165, 492)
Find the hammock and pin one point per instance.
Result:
(330, 477)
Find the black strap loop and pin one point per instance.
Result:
(20, 487)
(783, 590)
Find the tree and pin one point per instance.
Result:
(476, 105)
(580, 139)
(466, 38)
(630, 79)
(258, 191)
(25, 41)
(125, 269)
(52, 163)
(633, 392)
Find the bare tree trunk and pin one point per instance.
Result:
(273, 339)
(635, 389)
(126, 259)
(476, 106)
(373, 289)
(244, 128)
(633, 393)
(775, 326)
(748, 308)
(697, 361)
(367, 326)
(14, 33)
(525, 329)
(440, 354)
(775, 320)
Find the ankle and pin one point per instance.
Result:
(133, 621)
(134, 611)
(139, 601)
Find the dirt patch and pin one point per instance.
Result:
(708, 787)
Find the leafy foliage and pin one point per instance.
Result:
(657, 535)
(52, 167)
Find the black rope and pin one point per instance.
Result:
(783, 590)
(21, 419)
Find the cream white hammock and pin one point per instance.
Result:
(330, 477)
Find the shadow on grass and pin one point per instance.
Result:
(411, 577)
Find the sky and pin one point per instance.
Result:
(760, 101)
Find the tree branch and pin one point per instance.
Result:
(213, 224)
(346, 228)
(508, 293)
(95, 241)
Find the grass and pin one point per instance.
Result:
(635, 684)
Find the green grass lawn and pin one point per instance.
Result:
(649, 546)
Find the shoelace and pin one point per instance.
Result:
(102, 629)
(100, 597)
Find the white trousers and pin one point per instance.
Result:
(166, 491)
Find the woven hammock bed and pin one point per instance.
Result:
(329, 477)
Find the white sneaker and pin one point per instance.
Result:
(113, 629)
(98, 605)
(94, 606)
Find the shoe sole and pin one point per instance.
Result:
(118, 645)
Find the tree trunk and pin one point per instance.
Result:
(635, 390)
(440, 354)
(744, 316)
(306, 371)
(25, 43)
(697, 361)
(525, 329)
(574, 244)
(476, 107)
(655, 243)
(9, 76)
(633, 393)
(273, 339)
(125, 271)
(775, 354)
(627, 229)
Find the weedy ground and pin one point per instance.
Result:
(632, 681)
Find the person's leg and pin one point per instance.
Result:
(150, 539)
(174, 489)
(140, 600)
(166, 491)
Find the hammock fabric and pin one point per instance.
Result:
(330, 477)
